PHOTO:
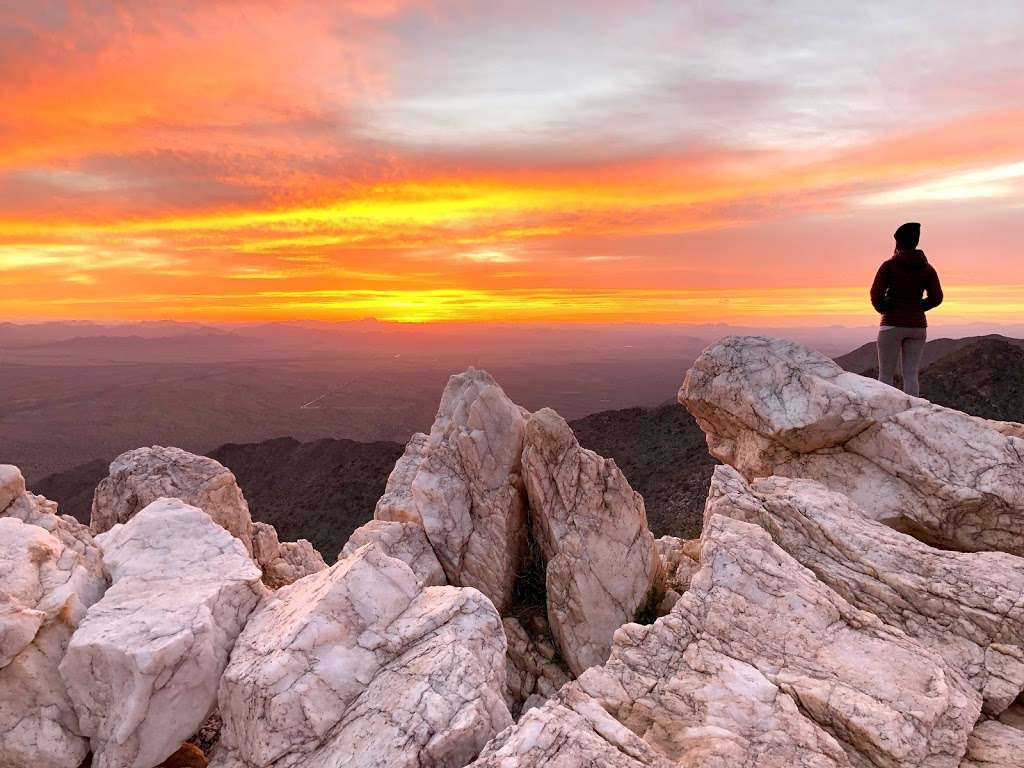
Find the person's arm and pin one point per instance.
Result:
(933, 292)
(879, 288)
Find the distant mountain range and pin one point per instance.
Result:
(323, 489)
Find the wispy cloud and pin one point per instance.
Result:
(434, 152)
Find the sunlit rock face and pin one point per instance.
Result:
(360, 665)
(405, 541)
(139, 477)
(759, 663)
(773, 407)
(142, 668)
(602, 565)
(462, 483)
(50, 573)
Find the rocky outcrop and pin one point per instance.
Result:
(283, 563)
(533, 669)
(405, 541)
(602, 566)
(462, 484)
(995, 745)
(50, 573)
(359, 665)
(142, 667)
(773, 407)
(139, 477)
(46, 589)
(761, 664)
(679, 562)
(969, 608)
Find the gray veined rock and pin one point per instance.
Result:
(50, 573)
(759, 663)
(602, 565)
(967, 607)
(360, 666)
(142, 667)
(770, 406)
(462, 484)
(139, 477)
(405, 541)
(995, 745)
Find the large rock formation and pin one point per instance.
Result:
(773, 407)
(50, 573)
(995, 745)
(462, 484)
(142, 667)
(139, 477)
(758, 664)
(359, 665)
(405, 541)
(969, 608)
(602, 566)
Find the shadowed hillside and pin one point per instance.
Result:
(323, 490)
(984, 378)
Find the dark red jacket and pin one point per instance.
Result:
(906, 287)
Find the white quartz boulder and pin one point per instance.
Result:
(462, 483)
(138, 478)
(758, 664)
(968, 607)
(602, 567)
(143, 666)
(46, 587)
(770, 406)
(405, 541)
(360, 666)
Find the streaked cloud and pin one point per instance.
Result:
(426, 159)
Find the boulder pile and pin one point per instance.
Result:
(856, 598)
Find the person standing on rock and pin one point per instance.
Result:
(905, 287)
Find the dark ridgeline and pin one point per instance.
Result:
(324, 489)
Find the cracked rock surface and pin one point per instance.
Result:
(602, 565)
(758, 664)
(405, 541)
(770, 406)
(533, 671)
(995, 745)
(360, 666)
(283, 562)
(968, 607)
(50, 573)
(462, 484)
(142, 667)
(138, 478)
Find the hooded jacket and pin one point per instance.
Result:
(905, 287)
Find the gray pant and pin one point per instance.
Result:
(907, 345)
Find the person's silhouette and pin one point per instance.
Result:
(905, 287)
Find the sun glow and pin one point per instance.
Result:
(401, 159)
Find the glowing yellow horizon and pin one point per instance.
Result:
(311, 161)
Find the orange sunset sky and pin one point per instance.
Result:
(584, 161)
